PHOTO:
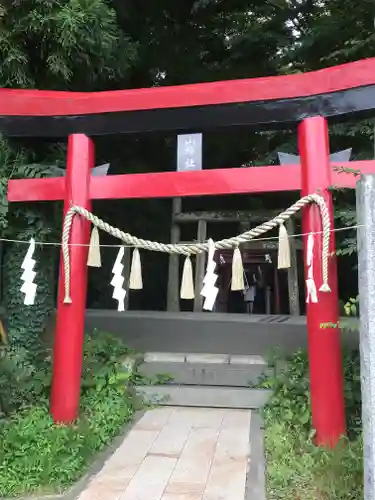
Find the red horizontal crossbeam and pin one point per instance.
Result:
(347, 179)
(46, 189)
(173, 184)
(165, 184)
(19, 102)
(200, 183)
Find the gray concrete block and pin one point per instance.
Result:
(214, 333)
(164, 357)
(247, 360)
(207, 358)
(207, 374)
(205, 397)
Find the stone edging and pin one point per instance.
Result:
(256, 474)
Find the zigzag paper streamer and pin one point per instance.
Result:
(119, 293)
(28, 275)
(209, 290)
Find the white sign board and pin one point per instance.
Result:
(189, 152)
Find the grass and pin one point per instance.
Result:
(296, 469)
(37, 456)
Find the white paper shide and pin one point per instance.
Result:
(28, 275)
(119, 292)
(209, 290)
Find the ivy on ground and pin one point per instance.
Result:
(39, 457)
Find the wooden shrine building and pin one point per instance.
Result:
(278, 292)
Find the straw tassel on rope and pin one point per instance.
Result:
(237, 272)
(93, 258)
(283, 260)
(187, 282)
(325, 288)
(135, 279)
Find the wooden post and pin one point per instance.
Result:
(293, 288)
(276, 289)
(268, 300)
(200, 261)
(173, 293)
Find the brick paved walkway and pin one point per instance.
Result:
(178, 454)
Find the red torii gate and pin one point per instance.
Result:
(304, 99)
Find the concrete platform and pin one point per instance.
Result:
(215, 333)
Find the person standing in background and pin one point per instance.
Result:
(250, 293)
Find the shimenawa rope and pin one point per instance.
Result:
(197, 248)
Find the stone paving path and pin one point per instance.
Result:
(178, 454)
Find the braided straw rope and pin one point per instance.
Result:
(197, 248)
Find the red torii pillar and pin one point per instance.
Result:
(78, 187)
(324, 345)
(70, 318)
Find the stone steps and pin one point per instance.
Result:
(206, 369)
(201, 380)
(204, 396)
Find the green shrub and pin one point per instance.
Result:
(38, 456)
(22, 382)
(296, 469)
(291, 392)
(16, 380)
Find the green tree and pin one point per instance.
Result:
(48, 44)
(204, 40)
(62, 44)
(331, 32)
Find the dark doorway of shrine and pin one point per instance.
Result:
(270, 287)
(277, 292)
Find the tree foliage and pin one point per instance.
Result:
(331, 32)
(59, 44)
(204, 40)
(48, 44)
